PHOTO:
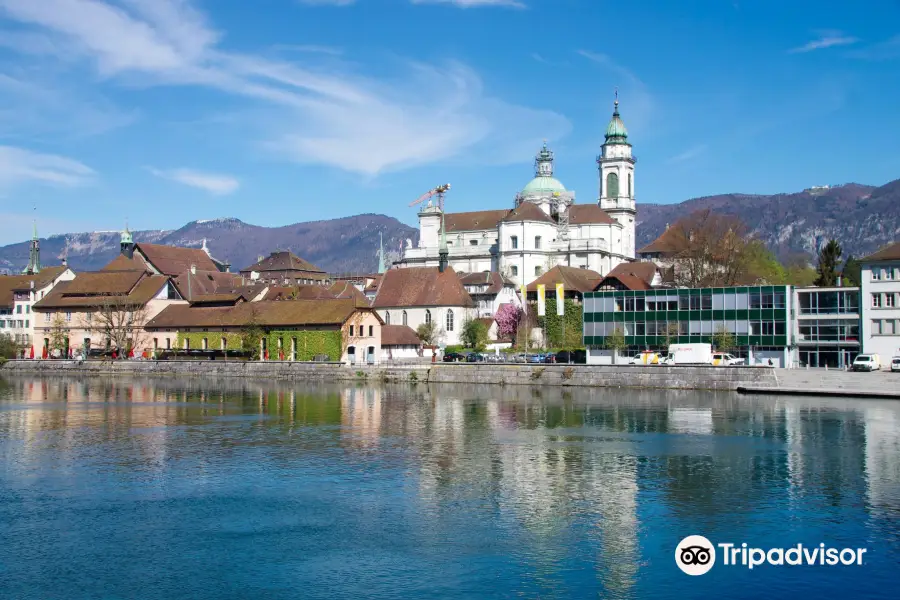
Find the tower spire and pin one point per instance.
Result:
(381, 265)
(34, 250)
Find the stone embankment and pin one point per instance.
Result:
(685, 378)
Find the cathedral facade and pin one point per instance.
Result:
(545, 227)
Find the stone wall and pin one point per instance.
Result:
(707, 378)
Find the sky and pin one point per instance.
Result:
(159, 112)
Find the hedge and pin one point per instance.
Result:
(309, 343)
(573, 318)
(232, 340)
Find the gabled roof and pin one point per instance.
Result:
(131, 288)
(123, 263)
(632, 275)
(528, 211)
(399, 335)
(421, 286)
(345, 289)
(282, 261)
(580, 280)
(12, 283)
(474, 221)
(191, 285)
(265, 314)
(173, 261)
(491, 278)
(589, 214)
(892, 252)
(299, 292)
(669, 242)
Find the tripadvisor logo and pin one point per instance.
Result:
(696, 555)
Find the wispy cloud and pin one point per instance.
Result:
(310, 48)
(320, 113)
(474, 3)
(888, 49)
(636, 95)
(689, 154)
(826, 39)
(18, 165)
(214, 183)
(327, 2)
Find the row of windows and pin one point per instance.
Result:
(14, 324)
(450, 319)
(514, 242)
(514, 271)
(885, 273)
(888, 300)
(885, 326)
(19, 309)
(814, 303)
(674, 302)
(681, 328)
(828, 331)
(361, 330)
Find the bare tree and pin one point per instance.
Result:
(709, 250)
(59, 334)
(119, 321)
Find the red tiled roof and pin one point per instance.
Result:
(669, 242)
(283, 261)
(265, 314)
(474, 221)
(583, 214)
(891, 252)
(205, 282)
(399, 335)
(99, 287)
(421, 286)
(632, 275)
(345, 289)
(11, 283)
(491, 278)
(300, 292)
(173, 261)
(580, 280)
(528, 211)
(123, 263)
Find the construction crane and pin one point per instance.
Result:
(439, 191)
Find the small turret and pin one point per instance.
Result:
(34, 254)
(126, 243)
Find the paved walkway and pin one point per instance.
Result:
(821, 382)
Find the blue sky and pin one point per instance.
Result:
(278, 111)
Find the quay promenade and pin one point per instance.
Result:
(742, 379)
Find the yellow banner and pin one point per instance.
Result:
(542, 299)
(560, 299)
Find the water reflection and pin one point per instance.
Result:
(455, 491)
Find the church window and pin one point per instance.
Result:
(404, 318)
(387, 318)
(612, 185)
(537, 242)
(514, 270)
(473, 242)
(427, 316)
(630, 195)
(514, 242)
(449, 320)
(537, 270)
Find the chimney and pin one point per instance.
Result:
(65, 262)
(193, 269)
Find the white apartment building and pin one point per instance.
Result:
(880, 300)
(545, 227)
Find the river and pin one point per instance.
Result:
(159, 488)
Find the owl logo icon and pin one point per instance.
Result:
(695, 555)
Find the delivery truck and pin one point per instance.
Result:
(690, 354)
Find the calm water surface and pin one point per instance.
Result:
(141, 488)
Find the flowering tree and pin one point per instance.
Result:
(507, 318)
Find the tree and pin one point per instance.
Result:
(723, 340)
(615, 341)
(710, 250)
(120, 321)
(852, 272)
(763, 267)
(8, 347)
(508, 318)
(251, 336)
(670, 334)
(59, 334)
(829, 259)
(429, 333)
(798, 272)
(474, 334)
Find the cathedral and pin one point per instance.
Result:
(545, 227)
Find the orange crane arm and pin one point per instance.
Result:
(438, 191)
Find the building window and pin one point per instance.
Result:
(168, 343)
(889, 300)
(28, 307)
(876, 300)
(405, 318)
(537, 270)
(612, 185)
(513, 243)
(514, 270)
(351, 330)
(387, 317)
(371, 331)
(449, 320)
(473, 242)
(68, 316)
(537, 242)
(876, 327)
(427, 316)
(629, 186)
(876, 274)
(888, 273)
(224, 343)
(46, 317)
(205, 344)
(19, 309)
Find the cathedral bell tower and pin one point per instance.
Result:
(34, 254)
(616, 165)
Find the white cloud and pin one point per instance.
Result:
(474, 3)
(214, 183)
(826, 39)
(18, 165)
(689, 154)
(324, 113)
(327, 2)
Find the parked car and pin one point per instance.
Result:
(866, 362)
(454, 357)
(474, 357)
(647, 357)
(579, 357)
(723, 359)
(895, 364)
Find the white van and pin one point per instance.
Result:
(895, 364)
(866, 362)
(690, 354)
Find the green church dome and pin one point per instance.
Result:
(615, 131)
(543, 185)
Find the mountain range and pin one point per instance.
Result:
(862, 218)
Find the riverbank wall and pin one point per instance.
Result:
(619, 376)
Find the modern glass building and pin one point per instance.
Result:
(826, 326)
(758, 317)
